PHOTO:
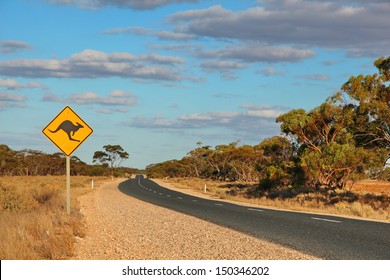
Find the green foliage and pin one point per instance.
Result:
(273, 160)
(368, 96)
(342, 139)
(336, 164)
(172, 168)
(345, 138)
(112, 156)
(32, 163)
(278, 164)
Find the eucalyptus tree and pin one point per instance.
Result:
(369, 98)
(111, 157)
(326, 145)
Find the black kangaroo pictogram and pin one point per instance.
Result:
(68, 127)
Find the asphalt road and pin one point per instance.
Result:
(327, 237)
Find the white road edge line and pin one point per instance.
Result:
(218, 204)
(258, 210)
(326, 220)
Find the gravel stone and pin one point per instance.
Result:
(120, 227)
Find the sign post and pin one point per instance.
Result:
(68, 185)
(67, 131)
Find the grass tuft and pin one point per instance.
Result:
(34, 223)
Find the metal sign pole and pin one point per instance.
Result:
(68, 184)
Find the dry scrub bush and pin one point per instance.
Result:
(34, 223)
(34, 236)
(373, 206)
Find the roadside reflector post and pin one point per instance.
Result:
(205, 188)
(68, 184)
(92, 184)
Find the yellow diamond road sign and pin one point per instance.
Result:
(67, 131)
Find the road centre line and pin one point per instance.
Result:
(139, 182)
(325, 220)
(249, 209)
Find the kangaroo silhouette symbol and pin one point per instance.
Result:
(69, 128)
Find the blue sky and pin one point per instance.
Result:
(158, 76)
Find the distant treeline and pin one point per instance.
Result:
(346, 138)
(32, 162)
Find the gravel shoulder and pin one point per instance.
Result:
(120, 227)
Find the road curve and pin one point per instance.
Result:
(323, 236)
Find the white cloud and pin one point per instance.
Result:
(329, 62)
(13, 84)
(358, 26)
(270, 71)
(11, 97)
(126, 4)
(115, 98)
(315, 77)
(161, 34)
(178, 48)
(10, 46)
(161, 59)
(11, 100)
(226, 95)
(264, 111)
(225, 68)
(115, 101)
(215, 12)
(50, 97)
(97, 64)
(254, 122)
(252, 53)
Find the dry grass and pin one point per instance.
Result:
(34, 223)
(371, 202)
(371, 186)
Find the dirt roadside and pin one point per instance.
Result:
(120, 227)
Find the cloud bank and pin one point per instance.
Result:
(125, 4)
(354, 25)
(97, 64)
(11, 100)
(252, 122)
(11, 46)
(115, 101)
